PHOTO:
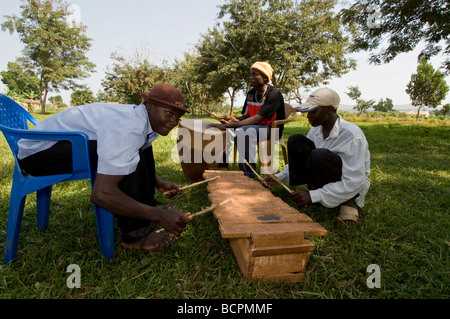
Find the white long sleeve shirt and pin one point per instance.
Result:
(348, 141)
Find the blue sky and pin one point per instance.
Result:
(170, 27)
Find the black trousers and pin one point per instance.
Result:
(312, 166)
(139, 185)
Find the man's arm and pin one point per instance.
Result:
(107, 194)
(247, 121)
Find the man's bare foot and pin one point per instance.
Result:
(151, 242)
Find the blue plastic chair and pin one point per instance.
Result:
(14, 125)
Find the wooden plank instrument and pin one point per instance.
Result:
(266, 234)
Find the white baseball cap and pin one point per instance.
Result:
(320, 97)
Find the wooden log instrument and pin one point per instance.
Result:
(266, 234)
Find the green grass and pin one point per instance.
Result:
(405, 231)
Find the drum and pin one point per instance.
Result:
(199, 147)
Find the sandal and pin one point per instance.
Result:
(158, 240)
(348, 215)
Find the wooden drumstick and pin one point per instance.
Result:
(204, 211)
(208, 209)
(248, 164)
(195, 184)
(279, 182)
(215, 115)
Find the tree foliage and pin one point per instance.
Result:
(19, 80)
(384, 105)
(361, 105)
(445, 111)
(81, 97)
(55, 49)
(127, 78)
(427, 87)
(302, 40)
(186, 79)
(402, 24)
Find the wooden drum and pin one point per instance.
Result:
(200, 147)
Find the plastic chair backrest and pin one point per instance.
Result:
(14, 116)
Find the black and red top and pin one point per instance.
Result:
(269, 104)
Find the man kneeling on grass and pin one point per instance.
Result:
(333, 160)
(120, 141)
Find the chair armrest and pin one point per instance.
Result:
(275, 123)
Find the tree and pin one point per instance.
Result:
(445, 109)
(186, 79)
(105, 97)
(54, 49)
(402, 24)
(220, 66)
(302, 40)
(384, 106)
(128, 78)
(82, 97)
(56, 101)
(361, 105)
(19, 80)
(427, 87)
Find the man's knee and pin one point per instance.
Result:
(297, 139)
(299, 143)
(322, 157)
(294, 139)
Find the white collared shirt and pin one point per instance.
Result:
(120, 130)
(348, 141)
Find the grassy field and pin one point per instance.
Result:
(405, 230)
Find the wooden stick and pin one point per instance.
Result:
(248, 164)
(208, 209)
(204, 211)
(279, 182)
(210, 113)
(215, 115)
(195, 184)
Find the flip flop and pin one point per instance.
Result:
(158, 242)
(348, 215)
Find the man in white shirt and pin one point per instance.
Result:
(120, 140)
(333, 160)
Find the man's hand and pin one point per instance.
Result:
(301, 197)
(269, 182)
(171, 189)
(172, 220)
(227, 119)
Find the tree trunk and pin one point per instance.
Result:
(232, 96)
(43, 101)
(418, 113)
